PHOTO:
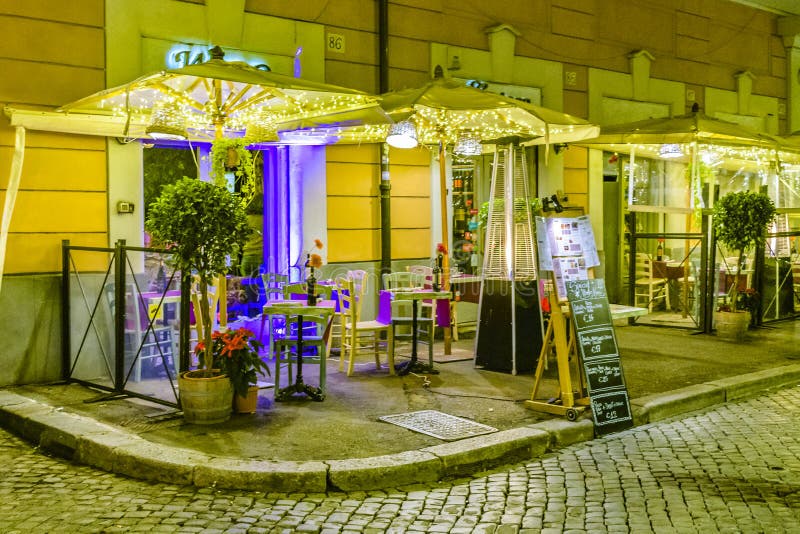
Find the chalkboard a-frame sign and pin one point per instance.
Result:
(597, 344)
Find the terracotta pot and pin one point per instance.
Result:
(246, 404)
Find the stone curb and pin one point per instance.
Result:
(88, 441)
(652, 408)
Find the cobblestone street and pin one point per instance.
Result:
(732, 469)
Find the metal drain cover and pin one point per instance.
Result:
(439, 425)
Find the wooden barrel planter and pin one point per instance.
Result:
(732, 325)
(205, 400)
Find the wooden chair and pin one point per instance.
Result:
(647, 285)
(273, 290)
(358, 335)
(274, 284)
(145, 337)
(424, 270)
(401, 314)
(402, 324)
(403, 280)
(316, 335)
(359, 278)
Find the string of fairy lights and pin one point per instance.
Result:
(241, 107)
(463, 128)
(776, 167)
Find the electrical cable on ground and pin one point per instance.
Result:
(426, 384)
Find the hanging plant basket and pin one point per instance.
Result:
(232, 160)
(232, 155)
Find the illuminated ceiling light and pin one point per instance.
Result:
(670, 151)
(402, 135)
(468, 144)
(167, 122)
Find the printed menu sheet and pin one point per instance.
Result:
(566, 247)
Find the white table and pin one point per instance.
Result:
(619, 311)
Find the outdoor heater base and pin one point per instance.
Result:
(496, 330)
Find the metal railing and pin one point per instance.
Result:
(125, 330)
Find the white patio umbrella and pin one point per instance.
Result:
(203, 102)
(444, 112)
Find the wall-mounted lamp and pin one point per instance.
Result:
(558, 148)
(553, 202)
(123, 206)
(403, 134)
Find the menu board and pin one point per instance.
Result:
(566, 246)
(599, 355)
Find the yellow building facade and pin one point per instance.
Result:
(609, 61)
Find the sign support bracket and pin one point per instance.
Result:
(569, 403)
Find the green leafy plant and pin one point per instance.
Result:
(232, 155)
(519, 210)
(236, 352)
(741, 220)
(164, 166)
(201, 224)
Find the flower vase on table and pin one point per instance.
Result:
(436, 283)
(313, 261)
(311, 283)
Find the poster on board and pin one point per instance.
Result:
(566, 247)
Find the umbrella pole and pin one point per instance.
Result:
(219, 121)
(445, 258)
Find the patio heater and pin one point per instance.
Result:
(509, 334)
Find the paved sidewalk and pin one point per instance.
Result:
(340, 443)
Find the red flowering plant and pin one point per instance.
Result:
(236, 353)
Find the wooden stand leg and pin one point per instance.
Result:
(566, 404)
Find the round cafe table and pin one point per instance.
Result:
(415, 295)
(296, 307)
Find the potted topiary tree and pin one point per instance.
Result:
(740, 221)
(202, 224)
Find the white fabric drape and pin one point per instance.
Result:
(11, 195)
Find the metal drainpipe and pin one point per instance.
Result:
(386, 184)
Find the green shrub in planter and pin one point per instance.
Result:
(201, 224)
(741, 221)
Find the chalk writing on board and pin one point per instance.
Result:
(604, 373)
(587, 289)
(597, 343)
(599, 354)
(588, 313)
(611, 407)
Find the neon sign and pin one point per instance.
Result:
(183, 55)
